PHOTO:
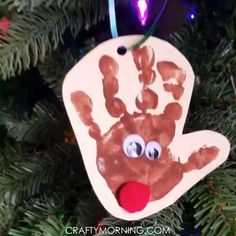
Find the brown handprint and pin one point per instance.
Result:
(134, 156)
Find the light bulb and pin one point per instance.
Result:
(143, 11)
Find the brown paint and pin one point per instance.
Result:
(176, 90)
(201, 158)
(144, 59)
(83, 105)
(167, 181)
(149, 100)
(173, 111)
(163, 174)
(169, 70)
(109, 69)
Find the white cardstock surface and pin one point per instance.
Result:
(86, 76)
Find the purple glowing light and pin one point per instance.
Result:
(192, 16)
(142, 11)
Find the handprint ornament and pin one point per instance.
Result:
(128, 113)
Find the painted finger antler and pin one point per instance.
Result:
(144, 61)
(109, 69)
(83, 105)
(168, 71)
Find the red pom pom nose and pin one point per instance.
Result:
(133, 196)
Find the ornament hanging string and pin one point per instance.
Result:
(150, 32)
(112, 18)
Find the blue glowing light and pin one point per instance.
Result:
(192, 13)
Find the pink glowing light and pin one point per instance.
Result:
(142, 11)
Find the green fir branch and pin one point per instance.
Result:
(42, 216)
(45, 125)
(33, 34)
(40, 172)
(29, 38)
(170, 218)
(220, 119)
(84, 208)
(29, 184)
(7, 215)
(55, 66)
(207, 62)
(10, 154)
(51, 226)
(214, 200)
(23, 179)
(53, 70)
(72, 4)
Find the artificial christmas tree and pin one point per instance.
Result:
(44, 189)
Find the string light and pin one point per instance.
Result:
(192, 13)
(192, 16)
(142, 11)
(4, 24)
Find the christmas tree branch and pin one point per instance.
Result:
(45, 125)
(32, 35)
(7, 215)
(41, 217)
(215, 203)
(211, 118)
(55, 66)
(169, 218)
(29, 38)
(37, 30)
(30, 181)
(72, 4)
(24, 178)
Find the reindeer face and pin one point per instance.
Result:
(128, 114)
(133, 147)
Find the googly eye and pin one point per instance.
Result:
(153, 150)
(133, 146)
